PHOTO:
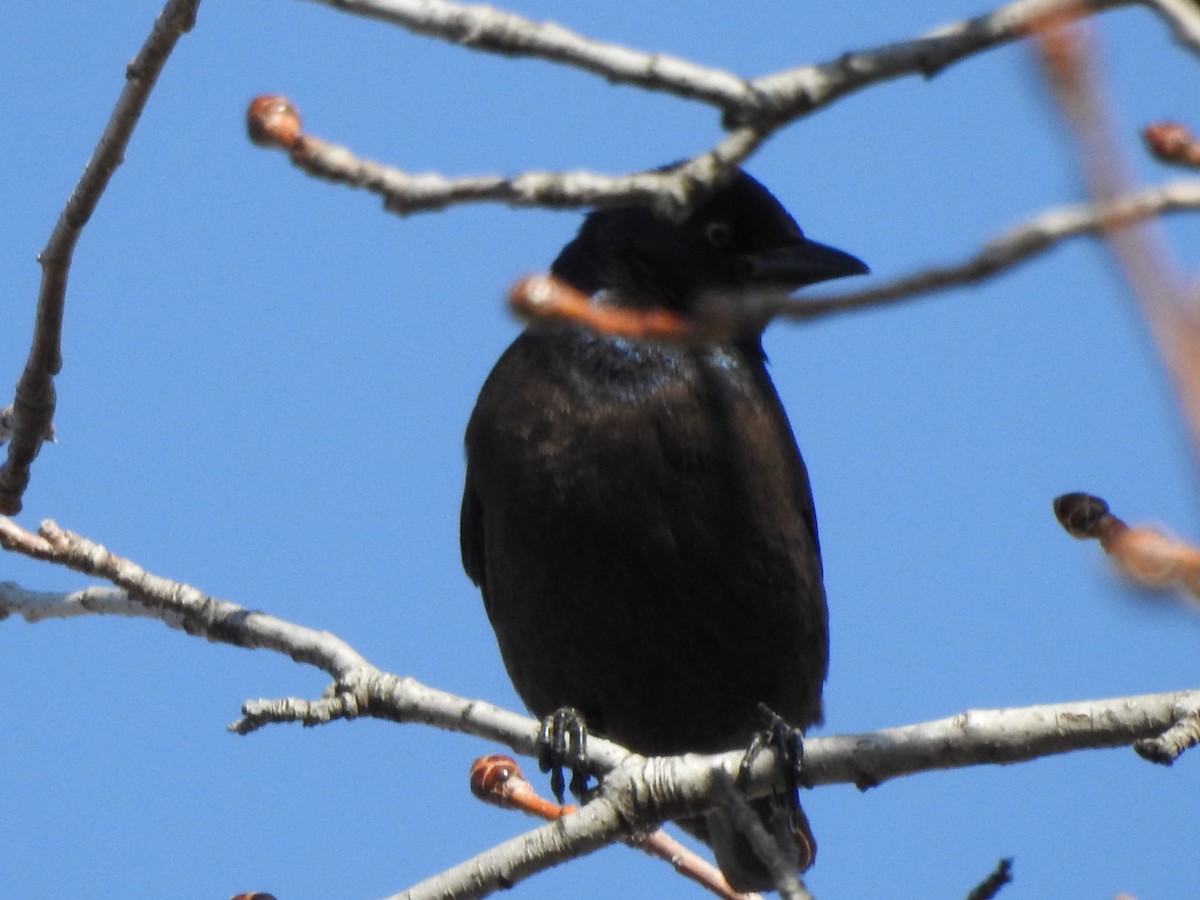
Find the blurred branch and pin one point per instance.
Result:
(32, 410)
(546, 298)
(8, 426)
(1146, 555)
(637, 793)
(1183, 16)
(1173, 143)
(1068, 58)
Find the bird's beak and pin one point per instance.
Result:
(804, 262)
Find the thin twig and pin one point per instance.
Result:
(799, 91)
(1029, 239)
(181, 605)
(997, 879)
(273, 121)
(719, 315)
(34, 606)
(34, 401)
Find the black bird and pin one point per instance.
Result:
(637, 513)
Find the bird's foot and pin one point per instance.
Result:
(788, 742)
(562, 743)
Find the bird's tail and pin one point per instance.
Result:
(741, 857)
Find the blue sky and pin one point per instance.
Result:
(267, 379)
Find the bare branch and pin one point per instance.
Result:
(181, 605)
(990, 886)
(34, 606)
(596, 825)
(642, 792)
(637, 793)
(721, 316)
(799, 91)
(776, 98)
(866, 759)
(8, 425)
(994, 736)
(1168, 746)
(753, 110)
(1184, 18)
(1039, 234)
(493, 30)
(274, 122)
(34, 401)
(498, 780)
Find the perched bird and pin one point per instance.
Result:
(637, 513)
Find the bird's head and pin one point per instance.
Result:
(740, 239)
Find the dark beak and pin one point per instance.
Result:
(805, 262)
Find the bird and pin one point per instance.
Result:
(637, 514)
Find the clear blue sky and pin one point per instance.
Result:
(266, 384)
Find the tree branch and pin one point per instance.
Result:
(34, 606)
(753, 110)
(721, 315)
(34, 401)
(637, 793)
(797, 92)
(776, 98)
(640, 792)
(990, 886)
(492, 30)
(273, 121)
(1184, 19)
(1027, 240)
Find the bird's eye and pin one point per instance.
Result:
(718, 234)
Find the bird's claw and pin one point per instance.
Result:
(562, 743)
(788, 815)
(788, 742)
